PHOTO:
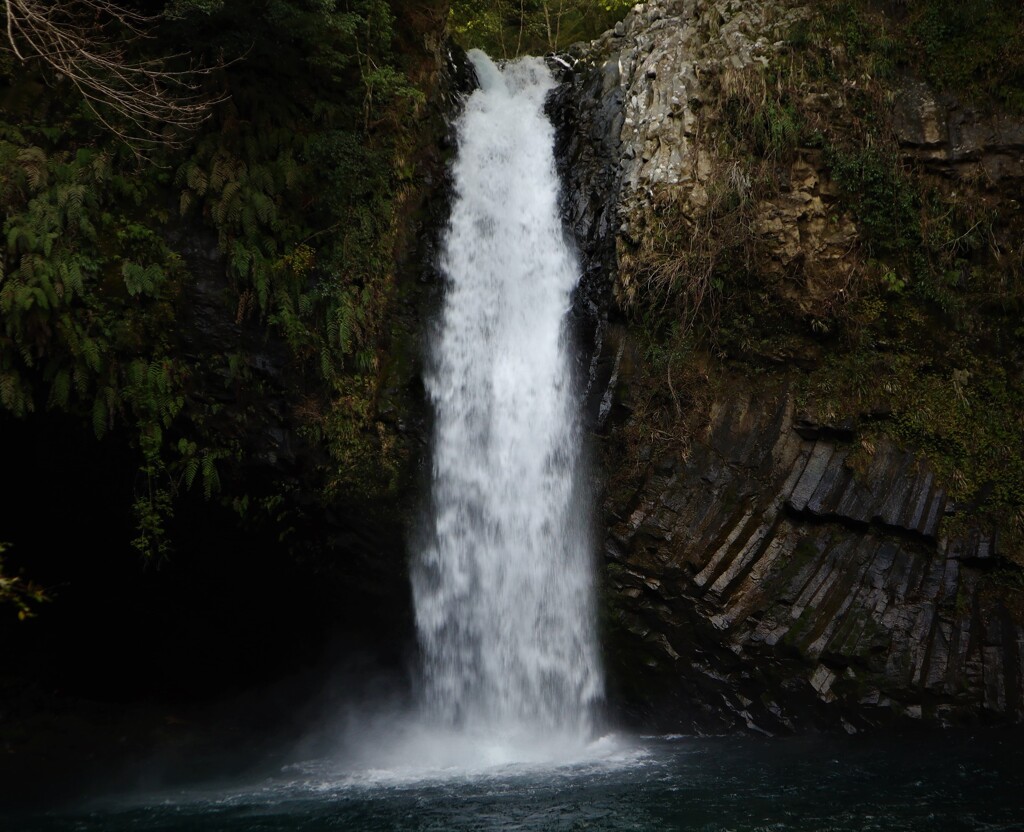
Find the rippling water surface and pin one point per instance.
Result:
(945, 782)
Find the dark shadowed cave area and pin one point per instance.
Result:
(213, 660)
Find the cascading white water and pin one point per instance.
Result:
(503, 588)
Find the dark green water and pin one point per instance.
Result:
(943, 782)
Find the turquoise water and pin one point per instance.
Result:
(943, 782)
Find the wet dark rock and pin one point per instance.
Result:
(586, 110)
(777, 573)
(358, 544)
(822, 594)
(958, 141)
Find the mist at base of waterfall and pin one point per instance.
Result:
(410, 748)
(945, 782)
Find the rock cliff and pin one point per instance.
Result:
(778, 557)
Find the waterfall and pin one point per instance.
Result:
(503, 587)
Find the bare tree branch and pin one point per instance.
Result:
(85, 42)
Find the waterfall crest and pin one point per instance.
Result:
(503, 586)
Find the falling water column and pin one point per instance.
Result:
(504, 586)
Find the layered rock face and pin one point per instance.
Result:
(767, 580)
(676, 63)
(957, 141)
(763, 569)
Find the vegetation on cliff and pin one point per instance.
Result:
(814, 498)
(277, 142)
(296, 174)
(509, 28)
(915, 333)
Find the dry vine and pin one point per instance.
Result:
(86, 43)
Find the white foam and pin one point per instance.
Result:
(503, 586)
(424, 756)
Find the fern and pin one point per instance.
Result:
(71, 201)
(196, 179)
(71, 277)
(92, 354)
(100, 165)
(21, 238)
(136, 372)
(191, 469)
(241, 259)
(33, 162)
(344, 320)
(264, 208)
(141, 280)
(211, 479)
(288, 170)
(261, 282)
(60, 390)
(327, 368)
(89, 285)
(262, 179)
(224, 169)
(12, 394)
(158, 376)
(100, 417)
(81, 380)
(247, 218)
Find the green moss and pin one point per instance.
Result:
(969, 46)
(882, 197)
(965, 420)
(923, 344)
(972, 48)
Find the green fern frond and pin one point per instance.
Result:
(326, 361)
(100, 165)
(261, 282)
(191, 469)
(91, 353)
(70, 273)
(265, 208)
(136, 372)
(289, 171)
(80, 378)
(248, 217)
(159, 375)
(60, 389)
(261, 178)
(86, 228)
(181, 174)
(211, 479)
(196, 179)
(225, 168)
(33, 162)
(241, 260)
(343, 327)
(21, 238)
(99, 416)
(11, 393)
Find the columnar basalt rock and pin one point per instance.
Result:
(802, 589)
(677, 63)
(766, 570)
